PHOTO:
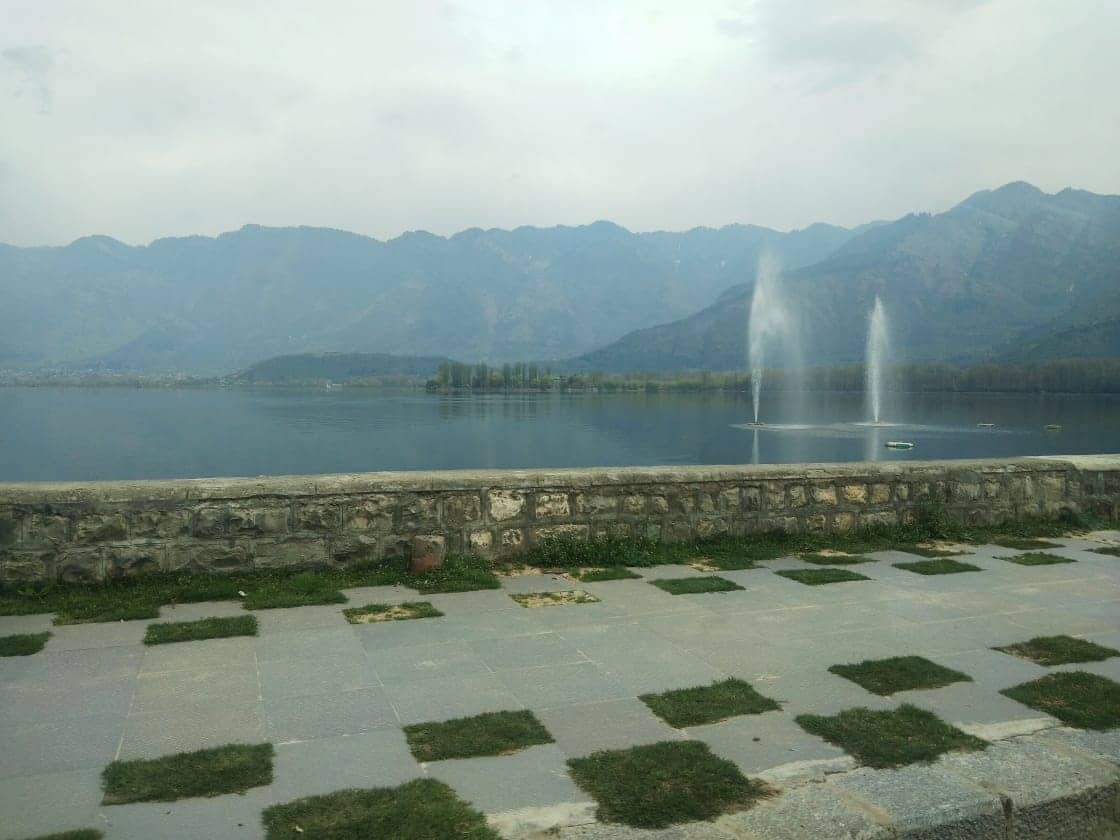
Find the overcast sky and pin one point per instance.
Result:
(146, 118)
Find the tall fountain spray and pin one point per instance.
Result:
(768, 321)
(878, 347)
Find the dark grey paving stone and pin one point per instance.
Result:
(301, 618)
(761, 742)
(58, 746)
(810, 812)
(1069, 621)
(326, 715)
(926, 801)
(35, 703)
(100, 635)
(532, 778)
(374, 759)
(295, 677)
(610, 725)
(644, 672)
(201, 655)
(200, 610)
(818, 692)
(80, 668)
(536, 583)
(386, 635)
(465, 603)
(450, 697)
(991, 669)
(424, 662)
(530, 651)
(232, 817)
(337, 641)
(492, 624)
(577, 615)
(562, 685)
(50, 803)
(11, 625)
(192, 726)
(165, 691)
(927, 606)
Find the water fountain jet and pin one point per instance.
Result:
(877, 350)
(768, 321)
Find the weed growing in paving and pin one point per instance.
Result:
(23, 644)
(819, 577)
(611, 573)
(79, 834)
(1076, 698)
(835, 559)
(554, 599)
(708, 704)
(1023, 543)
(1038, 558)
(892, 738)
(371, 613)
(493, 733)
(940, 566)
(230, 769)
(423, 809)
(695, 585)
(1113, 550)
(899, 673)
(1059, 650)
(663, 784)
(207, 628)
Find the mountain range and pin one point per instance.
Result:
(1012, 273)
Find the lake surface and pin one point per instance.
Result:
(111, 433)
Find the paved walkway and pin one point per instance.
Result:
(332, 696)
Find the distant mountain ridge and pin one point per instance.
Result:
(215, 305)
(1003, 270)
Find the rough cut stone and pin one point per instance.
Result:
(824, 494)
(552, 505)
(880, 494)
(101, 528)
(481, 541)
(596, 504)
(462, 510)
(505, 504)
(854, 493)
(427, 552)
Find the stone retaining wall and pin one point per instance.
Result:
(95, 530)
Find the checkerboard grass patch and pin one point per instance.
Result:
(492, 733)
(926, 551)
(301, 590)
(835, 559)
(663, 784)
(708, 704)
(423, 809)
(1076, 698)
(1113, 550)
(819, 577)
(230, 769)
(372, 613)
(893, 738)
(1059, 650)
(899, 673)
(23, 644)
(79, 834)
(609, 573)
(1038, 558)
(938, 566)
(695, 585)
(1023, 543)
(553, 599)
(206, 628)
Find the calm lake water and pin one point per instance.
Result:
(107, 433)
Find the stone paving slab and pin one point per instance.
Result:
(232, 817)
(191, 726)
(533, 777)
(373, 759)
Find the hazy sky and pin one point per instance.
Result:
(148, 118)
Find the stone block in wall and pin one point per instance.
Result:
(798, 495)
(823, 494)
(752, 497)
(48, 528)
(597, 504)
(100, 527)
(354, 549)
(550, 505)
(79, 565)
(25, 566)
(1052, 488)
(560, 532)
(706, 502)
(130, 560)
(426, 552)
(920, 491)
(881, 517)
(369, 513)
(817, 523)
(289, 553)
(993, 489)
(208, 556)
(513, 539)
(480, 541)
(633, 505)
(657, 504)
(901, 491)
(711, 526)
(682, 502)
(729, 499)
(879, 494)
(505, 504)
(462, 509)
(210, 521)
(269, 518)
(418, 513)
(159, 524)
(966, 491)
(676, 530)
(843, 521)
(317, 516)
(775, 496)
(10, 526)
(854, 493)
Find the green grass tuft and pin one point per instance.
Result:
(940, 566)
(1059, 650)
(206, 628)
(423, 809)
(373, 613)
(459, 573)
(230, 769)
(891, 738)
(610, 573)
(78, 834)
(819, 577)
(695, 585)
(23, 644)
(1112, 550)
(565, 552)
(835, 560)
(302, 590)
(1023, 543)
(899, 673)
(708, 704)
(1038, 558)
(492, 733)
(663, 784)
(1076, 698)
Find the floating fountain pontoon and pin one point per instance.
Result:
(985, 425)
(899, 444)
(1053, 427)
